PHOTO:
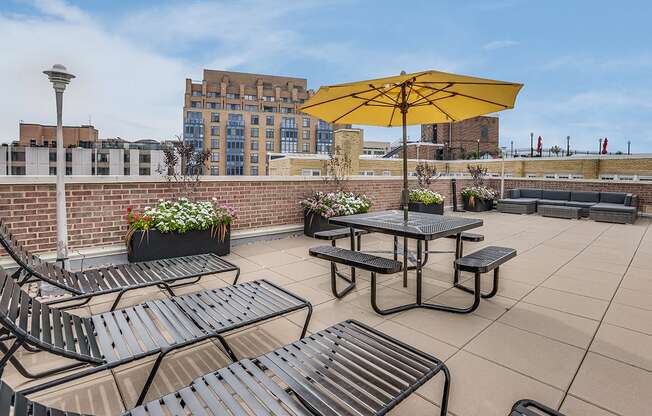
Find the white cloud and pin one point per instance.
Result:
(499, 44)
(129, 80)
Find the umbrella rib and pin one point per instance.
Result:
(471, 97)
(436, 106)
(391, 117)
(353, 109)
(336, 98)
(502, 84)
(426, 97)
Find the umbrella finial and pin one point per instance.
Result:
(403, 72)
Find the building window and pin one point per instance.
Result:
(269, 133)
(250, 97)
(103, 157)
(53, 156)
(215, 117)
(254, 145)
(324, 137)
(195, 104)
(232, 96)
(287, 110)
(126, 171)
(269, 109)
(144, 158)
(215, 130)
(53, 170)
(215, 157)
(254, 132)
(387, 173)
(144, 171)
(32, 142)
(306, 147)
(310, 172)
(249, 107)
(254, 119)
(254, 158)
(305, 122)
(575, 176)
(212, 105)
(212, 94)
(367, 173)
(234, 107)
(18, 170)
(484, 133)
(196, 93)
(289, 135)
(306, 135)
(531, 175)
(269, 146)
(102, 171)
(215, 143)
(269, 120)
(254, 171)
(235, 145)
(269, 98)
(215, 170)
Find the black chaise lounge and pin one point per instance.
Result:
(347, 369)
(113, 279)
(158, 327)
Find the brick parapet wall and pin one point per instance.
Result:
(96, 210)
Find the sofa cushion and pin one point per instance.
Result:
(607, 206)
(585, 197)
(518, 201)
(580, 204)
(613, 197)
(530, 193)
(551, 202)
(515, 193)
(628, 199)
(555, 195)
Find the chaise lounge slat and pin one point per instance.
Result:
(348, 369)
(107, 340)
(113, 279)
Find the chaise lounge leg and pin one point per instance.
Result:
(307, 322)
(447, 386)
(8, 356)
(237, 276)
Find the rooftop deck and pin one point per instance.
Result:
(571, 324)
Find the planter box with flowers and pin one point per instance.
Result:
(179, 228)
(426, 201)
(321, 206)
(478, 198)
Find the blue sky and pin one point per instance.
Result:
(586, 65)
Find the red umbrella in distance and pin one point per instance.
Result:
(539, 145)
(604, 146)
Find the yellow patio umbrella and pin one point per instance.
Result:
(406, 99)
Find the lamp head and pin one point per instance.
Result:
(59, 76)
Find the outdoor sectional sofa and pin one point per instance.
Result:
(619, 207)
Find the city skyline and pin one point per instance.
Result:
(585, 73)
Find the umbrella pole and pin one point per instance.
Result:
(405, 194)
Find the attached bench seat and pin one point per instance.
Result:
(339, 233)
(356, 260)
(468, 237)
(348, 369)
(528, 407)
(482, 261)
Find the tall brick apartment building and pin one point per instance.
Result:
(242, 117)
(460, 139)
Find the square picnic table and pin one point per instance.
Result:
(420, 227)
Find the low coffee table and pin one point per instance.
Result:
(559, 211)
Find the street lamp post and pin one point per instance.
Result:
(629, 146)
(60, 77)
(511, 145)
(567, 145)
(478, 153)
(599, 146)
(531, 144)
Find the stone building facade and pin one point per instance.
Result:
(462, 139)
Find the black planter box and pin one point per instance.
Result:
(314, 223)
(479, 205)
(427, 209)
(155, 245)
